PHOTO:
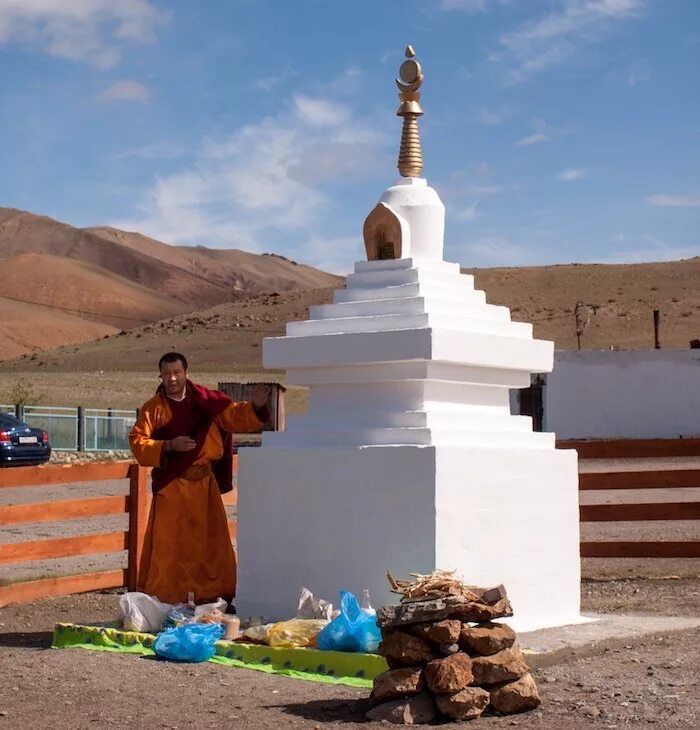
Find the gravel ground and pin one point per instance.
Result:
(652, 681)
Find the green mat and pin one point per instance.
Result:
(330, 667)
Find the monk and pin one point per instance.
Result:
(184, 433)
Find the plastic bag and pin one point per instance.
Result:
(141, 612)
(256, 634)
(297, 632)
(353, 630)
(220, 606)
(188, 613)
(211, 613)
(313, 608)
(179, 615)
(188, 643)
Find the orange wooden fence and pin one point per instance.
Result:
(136, 505)
(633, 448)
(631, 512)
(648, 479)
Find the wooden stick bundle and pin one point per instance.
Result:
(438, 584)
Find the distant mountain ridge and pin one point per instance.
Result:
(219, 304)
(121, 279)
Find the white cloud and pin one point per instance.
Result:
(466, 194)
(531, 139)
(654, 250)
(162, 150)
(573, 173)
(494, 117)
(335, 254)
(126, 90)
(466, 214)
(484, 189)
(473, 6)
(551, 39)
(268, 83)
(263, 186)
(499, 251)
(319, 112)
(637, 77)
(675, 201)
(83, 30)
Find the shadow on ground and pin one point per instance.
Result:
(333, 710)
(27, 640)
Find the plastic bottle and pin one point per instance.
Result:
(232, 626)
(366, 606)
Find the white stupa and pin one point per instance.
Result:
(408, 458)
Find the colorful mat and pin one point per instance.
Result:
(330, 667)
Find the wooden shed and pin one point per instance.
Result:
(243, 391)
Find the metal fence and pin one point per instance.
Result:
(107, 430)
(60, 422)
(78, 428)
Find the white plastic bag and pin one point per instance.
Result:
(256, 634)
(141, 612)
(207, 609)
(313, 608)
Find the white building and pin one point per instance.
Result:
(617, 394)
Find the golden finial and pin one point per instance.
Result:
(409, 81)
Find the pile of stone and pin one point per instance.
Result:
(448, 659)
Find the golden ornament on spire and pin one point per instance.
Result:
(409, 81)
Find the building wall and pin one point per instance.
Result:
(623, 394)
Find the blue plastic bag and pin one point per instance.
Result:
(188, 643)
(354, 630)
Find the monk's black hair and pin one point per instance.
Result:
(172, 357)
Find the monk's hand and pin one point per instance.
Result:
(181, 443)
(261, 392)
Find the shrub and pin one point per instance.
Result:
(23, 392)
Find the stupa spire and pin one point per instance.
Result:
(409, 81)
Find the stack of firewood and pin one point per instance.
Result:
(447, 658)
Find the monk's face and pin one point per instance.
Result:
(174, 377)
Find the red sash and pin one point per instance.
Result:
(193, 417)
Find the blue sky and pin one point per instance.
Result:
(554, 130)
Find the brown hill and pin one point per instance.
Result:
(196, 276)
(231, 269)
(29, 327)
(84, 289)
(227, 337)
(624, 297)
(124, 278)
(22, 232)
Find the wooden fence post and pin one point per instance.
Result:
(138, 520)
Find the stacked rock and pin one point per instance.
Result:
(448, 659)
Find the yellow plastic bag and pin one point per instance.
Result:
(297, 632)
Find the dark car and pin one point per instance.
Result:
(21, 444)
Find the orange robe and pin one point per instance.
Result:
(187, 546)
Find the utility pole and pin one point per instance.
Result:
(657, 319)
(582, 318)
